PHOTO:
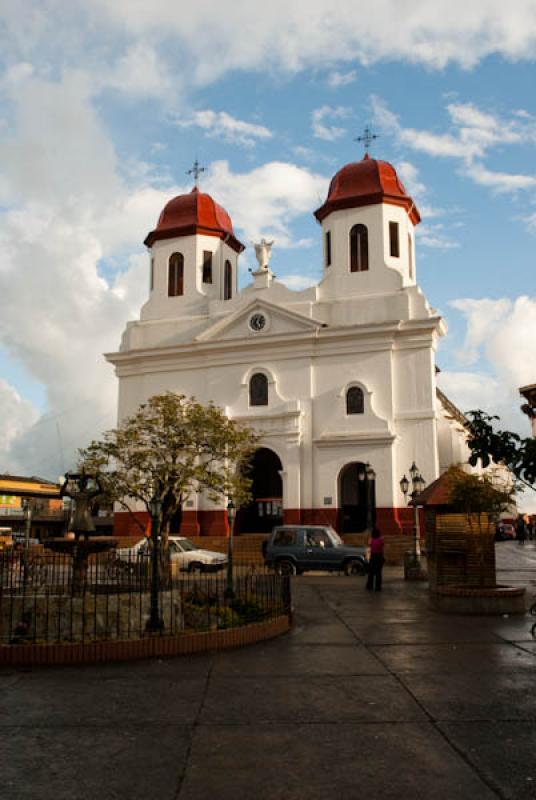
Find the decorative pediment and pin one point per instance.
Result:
(257, 320)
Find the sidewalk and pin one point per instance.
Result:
(370, 696)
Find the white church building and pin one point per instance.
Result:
(339, 378)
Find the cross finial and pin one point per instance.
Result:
(367, 138)
(196, 171)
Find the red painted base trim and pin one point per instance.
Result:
(125, 523)
(391, 521)
(189, 524)
(213, 523)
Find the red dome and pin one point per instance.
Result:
(194, 213)
(364, 183)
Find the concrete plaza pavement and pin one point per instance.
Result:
(370, 695)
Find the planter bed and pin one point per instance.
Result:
(147, 647)
(478, 600)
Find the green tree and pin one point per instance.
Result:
(170, 448)
(502, 447)
(474, 495)
(481, 499)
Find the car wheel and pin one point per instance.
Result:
(285, 567)
(354, 567)
(195, 566)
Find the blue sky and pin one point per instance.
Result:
(106, 104)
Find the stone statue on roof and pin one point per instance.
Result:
(263, 252)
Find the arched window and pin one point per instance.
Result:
(359, 248)
(354, 400)
(227, 281)
(176, 275)
(258, 390)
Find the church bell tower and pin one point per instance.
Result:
(368, 227)
(193, 257)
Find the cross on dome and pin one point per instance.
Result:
(367, 138)
(196, 171)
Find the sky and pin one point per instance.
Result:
(105, 104)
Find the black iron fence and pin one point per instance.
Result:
(43, 599)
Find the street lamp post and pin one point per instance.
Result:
(27, 529)
(413, 566)
(231, 514)
(371, 497)
(155, 622)
(367, 477)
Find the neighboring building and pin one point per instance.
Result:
(529, 408)
(49, 514)
(335, 377)
(42, 496)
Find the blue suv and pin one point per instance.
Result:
(293, 549)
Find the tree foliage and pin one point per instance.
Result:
(478, 494)
(170, 448)
(503, 447)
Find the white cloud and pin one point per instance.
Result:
(140, 71)
(434, 236)
(499, 181)
(500, 337)
(220, 124)
(483, 317)
(337, 79)
(73, 267)
(409, 174)
(311, 33)
(265, 201)
(67, 208)
(16, 416)
(472, 390)
(480, 390)
(140, 45)
(297, 282)
(474, 133)
(530, 221)
(328, 132)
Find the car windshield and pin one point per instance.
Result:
(186, 545)
(335, 536)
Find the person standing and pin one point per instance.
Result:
(521, 529)
(374, 580)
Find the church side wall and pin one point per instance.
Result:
(415, 412)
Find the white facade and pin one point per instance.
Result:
(369, 329)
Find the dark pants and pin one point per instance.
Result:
(374, 580)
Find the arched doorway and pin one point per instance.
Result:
(356, 498)
(266, 508)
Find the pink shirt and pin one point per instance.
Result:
(376, 546)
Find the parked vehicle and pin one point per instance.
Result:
(293, 549)
(504, 532)
(183, 554)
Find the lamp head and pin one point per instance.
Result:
(413, 471)
(404, 485)
(371, 475)
(419, 483)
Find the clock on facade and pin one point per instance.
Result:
(257, 322)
